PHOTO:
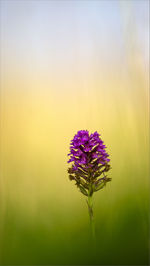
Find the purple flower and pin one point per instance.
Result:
(90, 162)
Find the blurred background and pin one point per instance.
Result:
(68, 66)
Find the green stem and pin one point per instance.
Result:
(90, 208)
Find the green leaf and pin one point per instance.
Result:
(83, 190)
(99, 186)
(84, 184)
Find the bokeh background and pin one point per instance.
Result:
(67, 66)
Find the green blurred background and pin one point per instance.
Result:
(67, 66)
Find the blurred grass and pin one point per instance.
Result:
(46, 223)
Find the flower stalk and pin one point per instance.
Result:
(90, 209)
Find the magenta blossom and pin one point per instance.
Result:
(90, 162)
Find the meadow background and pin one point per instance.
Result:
(67, 66)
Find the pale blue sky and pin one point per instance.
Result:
(57, 34)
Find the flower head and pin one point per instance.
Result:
(90, 162)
